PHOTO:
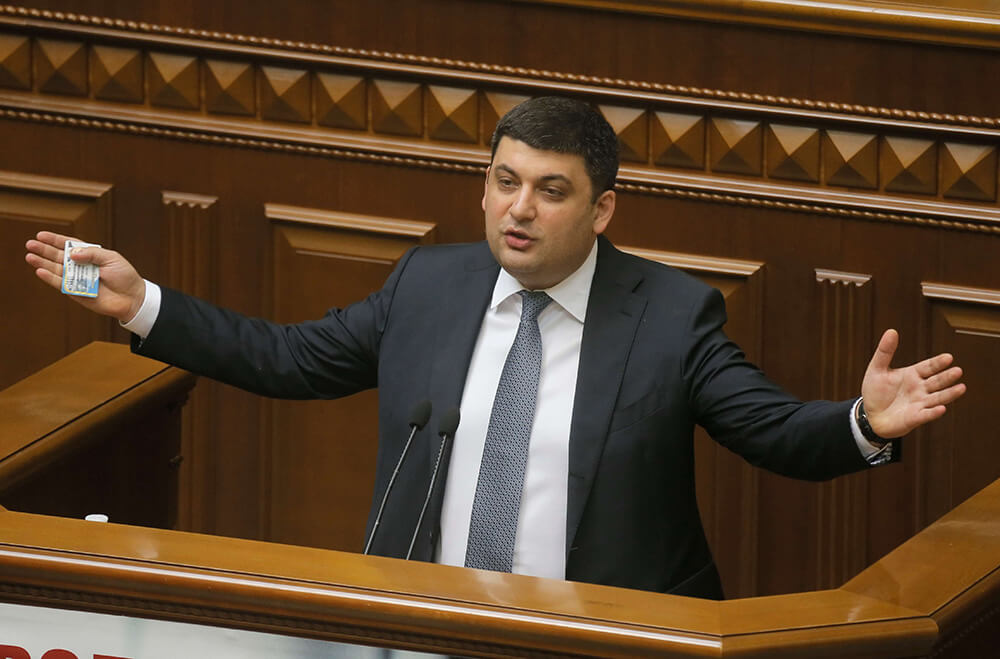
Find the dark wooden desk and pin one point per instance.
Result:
(96, 432)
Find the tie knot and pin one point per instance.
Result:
(532, 303)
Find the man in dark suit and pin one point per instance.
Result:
(629, 356)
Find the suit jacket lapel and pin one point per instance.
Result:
(613, 315)
(463, 304)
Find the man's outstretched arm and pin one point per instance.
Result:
(121, 291)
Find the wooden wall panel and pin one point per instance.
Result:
(845, 300)
(949, 454)
(819, 155)
(39, 328)
(191, 225)
(322, 454)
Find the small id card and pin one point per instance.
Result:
(79, 278)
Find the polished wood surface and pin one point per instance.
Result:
(96, 432)
(276, 157)
(958, 22)
(902, 606)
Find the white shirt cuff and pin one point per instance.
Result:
(875, 455)
(142, 323)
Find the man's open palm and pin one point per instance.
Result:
(897, 400)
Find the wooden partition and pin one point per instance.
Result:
(937, 594)
(99, 431)
(831, 167)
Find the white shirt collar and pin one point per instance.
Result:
(571, 293)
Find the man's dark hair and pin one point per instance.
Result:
(564, 125)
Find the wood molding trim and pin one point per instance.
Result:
(697, 263)
(51, 185)
(237, 91)
(960, 293)
(845, 278)
(350, 221)
(912, 21)
(240, 44)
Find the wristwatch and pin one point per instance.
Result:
(884, 444)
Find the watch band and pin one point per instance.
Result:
(866, 427)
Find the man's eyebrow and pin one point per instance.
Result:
(506, 169)
(547, 178)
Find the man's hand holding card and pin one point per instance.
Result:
(99, 279)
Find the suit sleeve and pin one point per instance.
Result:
(333, 356)
(746, 412)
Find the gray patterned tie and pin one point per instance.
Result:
(493, 526)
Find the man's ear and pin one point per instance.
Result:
(604, 208)
(486, 185)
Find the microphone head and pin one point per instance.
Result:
(449, 423)
(421, 414)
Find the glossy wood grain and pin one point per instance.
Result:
(95, 432)
(893, 609)
(960, 22)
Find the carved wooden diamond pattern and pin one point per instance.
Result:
(969, 171)
(910, 165)
(61, 67)
(284, 94)
(678, 140)
(735, 146)
(341, 101)
(229, 87)
(850, 159)
(117, 74)
(396, 108)
(495, 106)
(632, 128)
(15, 61)
(173, 81)
(452, 114)
(793, 152)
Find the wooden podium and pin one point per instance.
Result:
(937, 594)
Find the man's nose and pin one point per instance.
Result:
(523, 207)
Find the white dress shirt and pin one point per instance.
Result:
(540, 545)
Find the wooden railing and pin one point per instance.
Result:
(938, 593)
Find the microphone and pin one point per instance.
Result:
(446, 429)
(418, 419)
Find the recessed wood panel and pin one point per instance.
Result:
(29, 204)
(963, 321)
(320, 474)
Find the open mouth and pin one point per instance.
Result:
(517, 239)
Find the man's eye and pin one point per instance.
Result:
(505, 182)
(554, 193)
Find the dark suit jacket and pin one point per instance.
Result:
(654, 362)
